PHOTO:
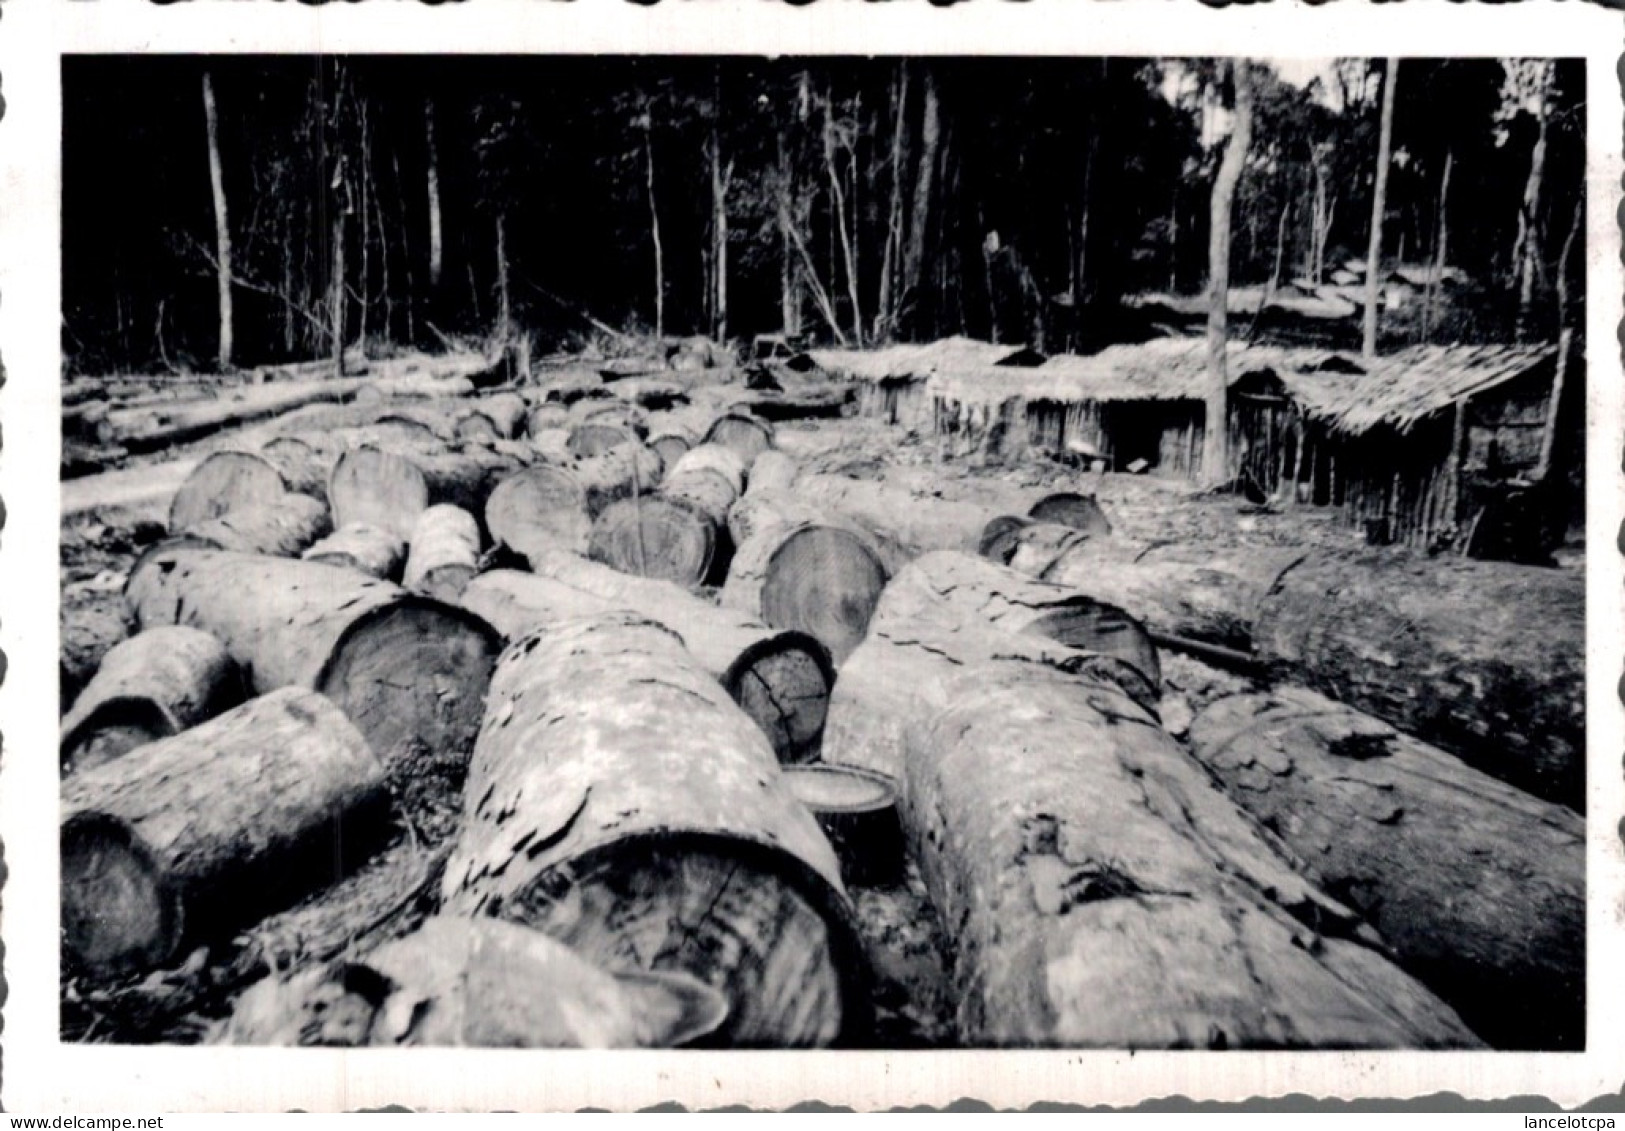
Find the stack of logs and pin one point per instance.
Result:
(614, 625)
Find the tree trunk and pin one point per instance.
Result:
(92, 621)
(1477, 887)
(1379, 208)
(193, 835)
(789, 279)
(540, 508)
(224, 482)
(1082, 858)
(625, 779)
(657, 536)
(780, 679)
(373, 550)
(283, 527)
(336, 291)
(1484, 659)
(1528, 249)
(155, 427)
(920, 215)
(445, 553)
(772, 470)
(747, 434)
(372, 487)
(504, 332)
(654, 221)
(795, 569)
(1215, 431)
(886, 315)
(838, 203)
(222, 229)
(1441, 244)
(436, 249)
(914, 523)
(410, 673)
(151, 686)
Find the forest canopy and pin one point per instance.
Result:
(231, 211)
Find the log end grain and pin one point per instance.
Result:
(593, 437)
(538, 509)
(221, 483)
(783, 683)
(745, 434)
(378, 488)
(825, 582)
(117, 911)
(655, 537)
(671, 446)
(282, 527)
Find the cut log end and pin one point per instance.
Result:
(377, 488)
(783, 684)
(117, 912)
(655, 537)
(541, 508)
(746, 435)
(670, 447)
(224, 482)
(117, 727)
(594, 437)
(857, 809)
(826, 583)
(735, 915)
(412, 677)
(1068, 508)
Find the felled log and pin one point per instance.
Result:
(944, 587)
(372, 487)
(1207, 594)
(671, 441)
(1068, 508)
(92, 621)
(1477, 887)
(303, 468)
(794, 569)
(371, 549)
(715, 458)
(284, 526)
(140, 493)
(543, 507)
(224, 482)
(1485, 659)
(772, 470)
(545, 418)
(1026, 545)
(746, 434)
(896, 680)
(503, 414)
(593, 437)
(620, 802)
(915, 522)
(610, 412)
(203, 831)
(656, 536)
(409, 671)
(474, 983)
(1106, 895)
(151, 686)
(153, 427)
(444, 554)
(625, 470)
(780, 679)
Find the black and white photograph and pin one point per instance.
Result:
(884, 553)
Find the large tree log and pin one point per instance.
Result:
(746, 434)
(224, 482)
(445, 553)
(1106, 895)
(592, 437)
(498, 417)
(611, 413)
(656, 536)
(409, 671)
(371, 549)
(540, 508)
(138, 492)
(474, 983)
(619, 801)
(164, 425)
(623, 471)
(548, 417)
(1026, 545)
(781, 680)
(373, 487)
(151, 686)
(1068, 508)
(1478, 887)
(1485, 659)
(92, 621)
(772, 470)
(794, 569)
(206, 830)
(283, 527)
(715, 458)
(915, 522)
(671, 440)
(898, 678)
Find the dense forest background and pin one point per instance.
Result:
(222, 212)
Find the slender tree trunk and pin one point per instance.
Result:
(365, 220)
(222, 230)
(838, 198)
(436, 251)
(1379, 206)
(886, 315)
(406, 253)
(336, 283)
(789, 280)
(1527, 254)
(1214, 433)
(504, 311)
(920, 219)
(719, 235)
(654, 221)
(1441, 245)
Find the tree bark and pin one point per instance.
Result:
(1379, 208)
(772, 470)
(1082, 858)
(373, 550)
(1484, 659)
(683, 852)
(1215, 456)
(411, 673)
(920, 215)
(780, 679)
(198, 833)
(654, 220)
(913, 522)
(1528, 240)
(1478, 887)
(92, 621)
(151, 686)
(222, 228)
(445, 553)
(1441, 243)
